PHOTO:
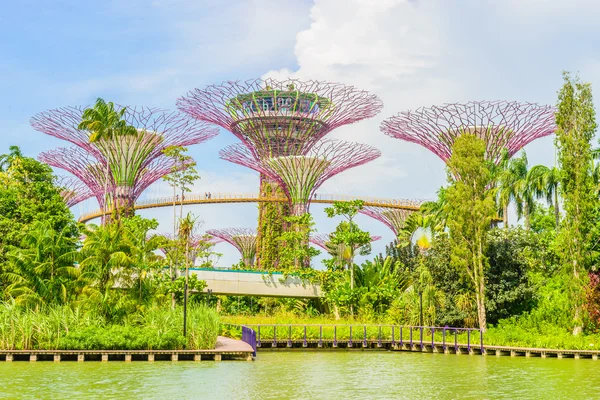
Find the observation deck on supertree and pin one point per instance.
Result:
(322, 240)
(279, 118)
(243, 239)
(301, 175)
(73, 190)
(135, 161)
(500, 124)
(393, 218)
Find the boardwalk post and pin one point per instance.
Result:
(258, 341)
(274, 336)
(421, 337)
(455, 342)
(432, 336)
(321, 336)
(469, 340)
(32, 357)
(150, 357)
(105, 357)
(393, 337)
(379, 338)
(80, 357)
(197, 357)
(364, 336)
(289, 343)
(335, 336)
(481, 341)
(411, 343)
(401, 341)
(57, 358)
(304, 344)
(350, 342)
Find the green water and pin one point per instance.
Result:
(310, 375)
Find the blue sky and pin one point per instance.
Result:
(411, 53)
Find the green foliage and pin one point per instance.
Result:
(471, 209)
(28, 196)
(271, 225)
(295, 251)
(576, 126)
(63, 327)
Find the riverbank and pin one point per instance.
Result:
(75, 328)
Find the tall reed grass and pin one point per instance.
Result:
(64, 327)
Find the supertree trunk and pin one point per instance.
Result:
(271, 224)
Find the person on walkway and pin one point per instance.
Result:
(206, 195)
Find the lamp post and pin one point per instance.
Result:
(420, 307)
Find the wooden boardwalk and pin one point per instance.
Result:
(226, 349)
(436, 347)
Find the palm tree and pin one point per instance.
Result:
(512, 187)
(104, 254)
(6, 160)
(544, 183)
(44, 266)
(105, 124)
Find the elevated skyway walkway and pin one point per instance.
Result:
(217, 198)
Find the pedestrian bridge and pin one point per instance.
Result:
(255, 283)
(216, 198)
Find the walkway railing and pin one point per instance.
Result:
(215, 198)
(365, 335)
(249, 336)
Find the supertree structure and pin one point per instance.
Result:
(278, 118)
(73, 190)
(132, 160)
(322, 240)
(393, 218)
(301, 175)
(501, 125)
(275, 119)
(90, 171)
(243, 239)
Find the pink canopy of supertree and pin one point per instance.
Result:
(322, 240)
(73, 190)
(277, 118)
(243, 239)
(300, 176)
(134, 162)
(158, 129)
(501, 124)
(392, 217)
(90, 171)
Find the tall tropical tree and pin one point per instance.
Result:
(576, 127)
(105, 123)
(471, 208)
(544, 182)
(185, 231)
(348, 234)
